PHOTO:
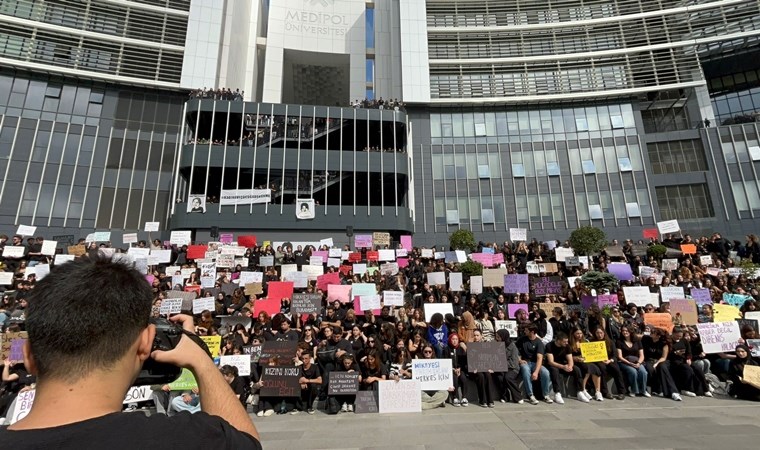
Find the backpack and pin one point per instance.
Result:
(333, 407)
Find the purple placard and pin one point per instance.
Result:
(607, 299)
(513, 307)
(623, 272)
(587, 301)
(406, 242)
(701, 296)
(226, 238)
(363, 241)
(322, 254)
(488, 250)
(516, 284)
(17, 353)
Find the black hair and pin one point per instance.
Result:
(85, 315)
(229, 370)
(436, 320)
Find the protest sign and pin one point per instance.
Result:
(736, 299)
(724, 313)
(701, 296)
(185, 382)
(23, 406)
(342, 293)
(250, 277)
(299, 279)
(389, 268)
(181, 238)
(646, 271)
(282, 351)
(638, 295)
(129, 238)
(60, 259)
(494, 277)
(686, 308)
(214, 344)
(162, 256)
(363, 241)
(485, 356)
(12, 345)
(399, 396)
(509, 325)
(516, 284)
(513, 307)
(688, 249)
(436, 278)
(561, 253)
(663, 321)
(137, 394)
(393, 298)
(572, 261)
(254, 289)
(6, 278)
(622, 271)
(386, 255)
(754, 347)
(476, 284)
(242, 362)
(266, 261)
(406, 242)
(254, 351)
(608, 299)
(669, 264)
(381, 238)
(279, 290)
(202, 304)
(48, 247)
(455, 281)
(650, 233)
(426, 253)
(343, 383)
(281, 381)
(548, 308)
(432, 308)
(668, 292)
(668, 226)
(705, 260)
(751, 375)
(26, 230)
(433, 374)
(518, 234)
(545, 286)
(594, 351)
(754, 315)
(401, 252)
(366, 402)
(74, 250)
(719, 337)
(170, 306)
(15, 251)
(152, 226)
(359, 269)
(614, 251)
(306, 303)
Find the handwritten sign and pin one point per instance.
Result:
(752, 375)
(185, 382)
(381, 238)
(281, 381)
(203, 304)
(242, 362)
(399, 396)
(686, 308)
(393, 298)
(433, 374)
(509, 325)
(214, 344)
(171, 306)
(485, 356)
(701, 296)
(663, 321)
(366, 402)
(343, 383)
(516, 284)
(476, 284)
(594, 351)
(718, 337)
(282, 351)
(668, 226)
(518, 234)
(306, 303)
(546, 285)
(638, 295)
(363, 241)
(137, 394)
(23, 406)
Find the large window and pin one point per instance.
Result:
(677, 156)
(687, 201)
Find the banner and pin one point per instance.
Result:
(245, 196)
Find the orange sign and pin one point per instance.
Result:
(659, 320)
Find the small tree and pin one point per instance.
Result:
(462, 240)
(748, 268)
(658, 251)
(471, 268)
(587, 240)
(600, 281)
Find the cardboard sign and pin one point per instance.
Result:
(12, 345)
(663, 321)
(203, 304)
(752, 375)
(432, 308)
(242, 362)
(381, 238)
(399, 396)
(516, 284)
(494, 277)
(254, 289)
(306, 303)
(281, 381)
(393, 298)
(485, 356)
(546, 285)
(594, 351)
(686, 308)
(719, 337)
(433, 374)
(343, 383)
(366, 402)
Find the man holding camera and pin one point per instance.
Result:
(88, 339)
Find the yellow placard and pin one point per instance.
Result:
(594, 351)
(214, 344)
(725, 313)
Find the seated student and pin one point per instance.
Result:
(347, 363)
(609, 367)
(630, 356)
(15, 378)
(656, 350)
(559, 360)
(310, 381)
(457, 351)
(531, 363)
(401, 364)
(432, 399)
(373, 370)
(236, 382)
(483, 380)
(739, 387)
(688, 378)
(577, 336)
(509, 380)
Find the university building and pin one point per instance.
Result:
(514, 114)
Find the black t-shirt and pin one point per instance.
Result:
(312, 373)
(652, 349)
(529, 350)
(559, 353)
(129, 431)
(630, 353)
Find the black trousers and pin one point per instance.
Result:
(611, 370)
(483, 382)
(509, 385)
(660, 378)
(555, 374)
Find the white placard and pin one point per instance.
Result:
(719, 337)
(369, 302)
(393, 298)
(668, 292)
(242, 362)
(178, 280)
(476, 284)
(669, 264)
(208, 282)
(328, 242)
(518, 234)
(439, 255)
(752, 315)
(288, 268)
(706, 260)
(426, 253)
(461, 256)
(137, 252)
(436, 278)
(344, 255)
(234, 250)
(402, 253)
(668, 226)
(129, 238)
(170, 306)
(137, 394)
(250, 277)
(509, 325)
(562, 253)
(181, 237)
(60, 259)
(41, 271)
(312, 272)
(433, 374)
(48, 247)
(162, 256)
(432, 308)
(23, 406)
(6, 278)
(646, 271)
(360, 269)
(26, 230)
(152, 226)
(455, 281)
(638, 295)
(102, 236)
(13, 251)
(299, 279)
(203, 303)
(399, 396)
(316, 261)
(333, 262)
(185, 272)
(335, 253)
(387, 255)
(532, 267)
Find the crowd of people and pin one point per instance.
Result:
(545, 357)
(218, 94)
(378, 103)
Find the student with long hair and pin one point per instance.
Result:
(577, 337)
(656, 351)
(630, 357)
(457, 352)
(483, 380)
(609, 367)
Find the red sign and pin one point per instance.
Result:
(277, 290)
(327, 279)
(247, 241)
(373, 255)
(345, 269)
(354, 257)
(650, 233)
(196, 251)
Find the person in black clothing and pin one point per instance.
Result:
(509, 381)
(739, 387)
(457, 351)
(656, 350)
(559, 360)
(310, 381)
(89, 333)
(609, 367)
(230, 374)
(483, 379)
(688, 378)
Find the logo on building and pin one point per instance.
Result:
(321, 2)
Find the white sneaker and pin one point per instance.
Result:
(598, 396)
(533, 400)
(294, 412)
(676, 397)
(520, 402)
(689, 394)
(647, 394)
(558, 399)
(268, 412)
(631, 394)
(455, 402)
(350, 408)
(344, 408)
(548, 400)
(583, 396)
(260, 414)
(708, 394)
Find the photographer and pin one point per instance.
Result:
(88, 339)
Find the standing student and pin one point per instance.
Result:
(457, 351)
(510, 380)
(483, 380)
(531, 364)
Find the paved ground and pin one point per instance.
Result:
(718, 423)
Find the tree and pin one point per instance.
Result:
(748, 268)
(657, 251)
(601, 281)
(471, 268)
(587, 240)
(462, 240)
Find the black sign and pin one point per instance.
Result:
(281, 381)
(547, 285)
(306, 303)
(572, 261)
(64, 238)
(284, 351)
(485, 356)
(748, 322)
(229, 288)
(254, 351)
(366, 402)
(343, 383)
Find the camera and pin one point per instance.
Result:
(167, 337)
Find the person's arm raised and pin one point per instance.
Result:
(218, 399)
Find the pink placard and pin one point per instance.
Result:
(402, 262)
(483, 258)
(322, 254)
(279, 289)
(339, 292)
(226, 238)
(327, 279)
(406, 242)
(150, 279)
